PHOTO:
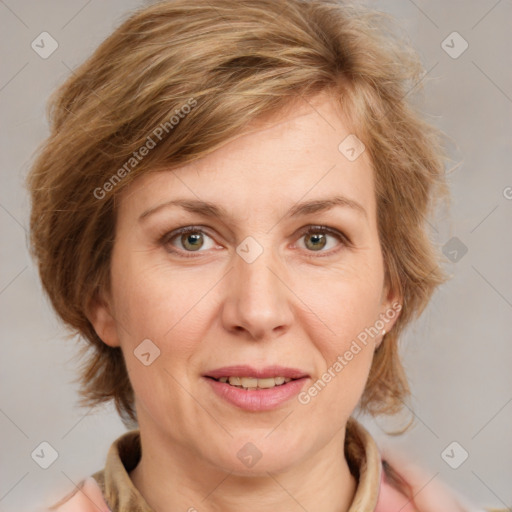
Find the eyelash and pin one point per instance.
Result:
(169, 236)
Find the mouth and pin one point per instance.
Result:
(248, 378)
(251, 383)
(256, 390)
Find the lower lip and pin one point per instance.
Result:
(260, 399)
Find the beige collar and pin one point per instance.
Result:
(124, 454)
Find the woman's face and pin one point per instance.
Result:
(247, 286)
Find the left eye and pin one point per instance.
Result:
(317, 237)
(192, 239)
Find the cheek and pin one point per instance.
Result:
(346, 304)
(344, 300)
(155, 301)
(344, 353)
(163, 306)
(158, 305)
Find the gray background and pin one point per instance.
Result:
(458, 355)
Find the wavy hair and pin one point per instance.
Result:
(236, 61)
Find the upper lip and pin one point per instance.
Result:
(258, 373)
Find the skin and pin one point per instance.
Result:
(301, 303)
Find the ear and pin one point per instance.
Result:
(391, 305)
(101, 317)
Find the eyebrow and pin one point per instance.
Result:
(208, 209)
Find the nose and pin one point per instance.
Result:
(257, 301)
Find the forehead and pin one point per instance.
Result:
(290, 156)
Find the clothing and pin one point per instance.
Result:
(111, 489)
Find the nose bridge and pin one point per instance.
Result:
(258, 299)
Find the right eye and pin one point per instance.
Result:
(191, 239)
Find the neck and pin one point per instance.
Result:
(175, 478)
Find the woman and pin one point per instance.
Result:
(231, 208)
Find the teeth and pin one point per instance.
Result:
(247, 382)
(253, 383)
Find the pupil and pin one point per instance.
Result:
(194, 237)
(316, 238)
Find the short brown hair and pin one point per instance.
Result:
(234, 61)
